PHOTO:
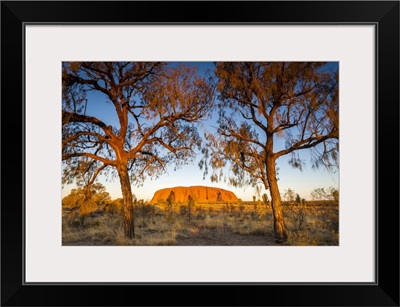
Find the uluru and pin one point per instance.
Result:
(201, 194)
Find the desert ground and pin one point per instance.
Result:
(208, 224)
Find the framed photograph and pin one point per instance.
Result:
(240, 147)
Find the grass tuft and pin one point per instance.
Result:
(306, 226)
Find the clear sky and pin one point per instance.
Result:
(302, 182)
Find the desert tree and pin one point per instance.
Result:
(77, 200)
(265, 199)
(289, 195)
(171, 198)
(191, 203)
(262, 102)
(330, 193)
(298, 199)
(76, 197)
(170, 204)
(152, 112)
(219, 197)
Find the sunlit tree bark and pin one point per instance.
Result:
(155, 109)
(260, 102)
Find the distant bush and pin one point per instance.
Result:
(311, 224)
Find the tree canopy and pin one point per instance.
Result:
(157, 109)
(260, 102)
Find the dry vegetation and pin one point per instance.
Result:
(245, 224)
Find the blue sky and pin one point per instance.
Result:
(303, 182)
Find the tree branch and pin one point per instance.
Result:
(68, 117)
(90, 155)
(80, 133)
(307, 143)
(96, 174)
(240, 136)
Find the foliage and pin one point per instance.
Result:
(309, 225)
(171, 198)
(289, 195)
(330, 193)
(98, 196)
(156, 108)
(296, 101)
(260, 102)
(265, 199)
(83, 201)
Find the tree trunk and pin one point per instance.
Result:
(279, 224)
(129, 228)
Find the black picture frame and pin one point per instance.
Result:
(383, 14)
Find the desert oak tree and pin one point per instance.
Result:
(153, 109)
(260, 102)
